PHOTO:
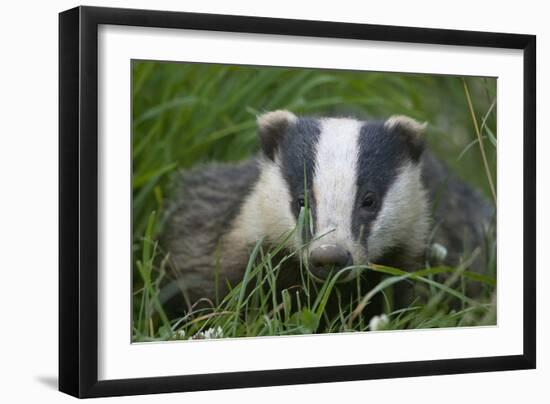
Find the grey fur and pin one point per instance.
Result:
(205, 200)
(462, 217)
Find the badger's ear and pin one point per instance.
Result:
(272, 127)
(410, 131)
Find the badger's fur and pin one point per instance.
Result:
(375, 195)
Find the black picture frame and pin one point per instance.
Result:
(78, 200)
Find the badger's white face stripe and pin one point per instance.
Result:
(266, 212)
(335, 181)
(403, 219)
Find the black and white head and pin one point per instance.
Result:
(362, 180)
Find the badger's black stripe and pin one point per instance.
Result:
(381, 154)
(298, 151)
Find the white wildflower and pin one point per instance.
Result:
(210, 333)
(438, 252)
(378, 323)
(180, 334)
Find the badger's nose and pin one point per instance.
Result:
(328, 257)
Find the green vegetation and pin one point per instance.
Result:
(184, 114)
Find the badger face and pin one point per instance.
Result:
(361, 180)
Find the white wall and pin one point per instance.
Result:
(28, 201)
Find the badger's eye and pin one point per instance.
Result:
(369, 201)
(301, 202)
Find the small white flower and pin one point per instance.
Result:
(378, 323)
(438, 252)
(211, 333)
(180, 334)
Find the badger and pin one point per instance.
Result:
(374, 191)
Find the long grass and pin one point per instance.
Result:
(185, 114)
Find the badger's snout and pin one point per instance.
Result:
(328, 257)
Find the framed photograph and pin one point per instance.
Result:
(251, 201)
